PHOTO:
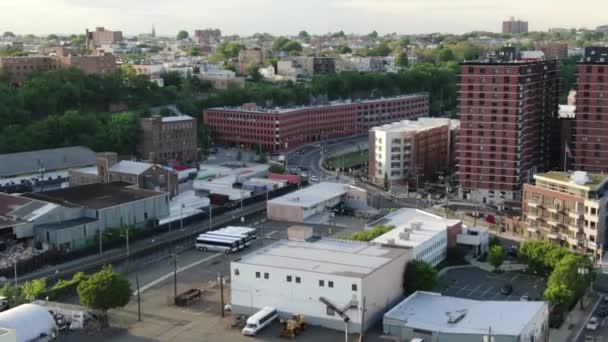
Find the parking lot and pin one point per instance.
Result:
(474, 283)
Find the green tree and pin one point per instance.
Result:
(253, 71)
(104, 290)
(182, 35)
(373, 35)
(34, 289)
(344, 49)
(122, 132)
(14, 294)
(279, 42)
(292, 46)
(52, 36)
(559, 294)
(445, 55)
(369, 234)
(304, 36)
(402, 60)
(339, 34)
(8, 34)
(496, 256)
(419, 276)
(194, 51)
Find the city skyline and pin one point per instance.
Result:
(242, 17)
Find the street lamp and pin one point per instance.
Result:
(583, 271)
(181, 217)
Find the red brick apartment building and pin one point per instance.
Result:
(590, 127)
(508, 109)
(283, 129)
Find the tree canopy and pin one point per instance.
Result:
(419, 276)
(104, 290)
(496, 256)
(182, 35)
(286, 45)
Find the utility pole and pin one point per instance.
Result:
(100, 242)
(363, 309)
(210, 214)
(15, 265)
(138, 297)
(446, 199)
(174, 275)
(220, 280)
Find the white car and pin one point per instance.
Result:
(592, 324)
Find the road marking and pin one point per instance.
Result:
(473, 291)
(486, 292)
(271, 233)
(169, 275)
(462, 289)
(514, 277)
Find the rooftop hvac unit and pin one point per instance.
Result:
(456, 316)
(390, 241)
(416, 225)
(404, 236)
(579, 177)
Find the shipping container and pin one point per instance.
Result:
(292, 179)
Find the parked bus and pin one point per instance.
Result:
(239, 238)
(214, 243)
(260, 320)
(252, 233)
(236, 231)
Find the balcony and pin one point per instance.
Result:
(553, 209)
(532, 229)
(575, 214)
(552, 221)
(573, 241)
(534, 203)
(533, 216)
(574, 228)
(553, 236)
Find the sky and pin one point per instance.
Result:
(245, 17)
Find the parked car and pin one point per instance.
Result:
(602, 312)
(524, 298)
(507, 289)
(513, 251)
(592, 324)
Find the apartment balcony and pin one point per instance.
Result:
(575, 215)
(552, 221)
(533, 216)
(552, 209)
(554, 236)
(534, 203)
(590, 245)
(532, 229)
(574, 241)
(574, 228)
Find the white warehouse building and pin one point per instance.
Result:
(432, 317)
(320, 279)
(428, 235)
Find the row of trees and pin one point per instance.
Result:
(103, 290)
(565, 284)
(66, 107)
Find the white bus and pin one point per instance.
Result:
(214, 243)
(260, 320)
(252, 233)
(239, 238)
(236, 231)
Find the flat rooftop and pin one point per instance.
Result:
(415, 125)
(283, 110)
(420, 225)
(592, 181)
(431, 311)
(94, 196)
(324, 256)
(313, 195)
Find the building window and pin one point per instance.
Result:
(297, 280)
(236, 272)
(257, 274)
(321, 283)
(330, 284)
(266, 275)
(354, 287)
(289, 279)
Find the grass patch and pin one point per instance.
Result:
(347, 161)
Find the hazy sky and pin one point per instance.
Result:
(289, 16)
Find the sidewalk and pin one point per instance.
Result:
(505, 267)
(574, 324)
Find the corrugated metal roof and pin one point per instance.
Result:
(130, 167)
(30, 162)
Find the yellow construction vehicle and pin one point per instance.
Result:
(293, 327)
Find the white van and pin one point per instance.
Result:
(260, 320)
